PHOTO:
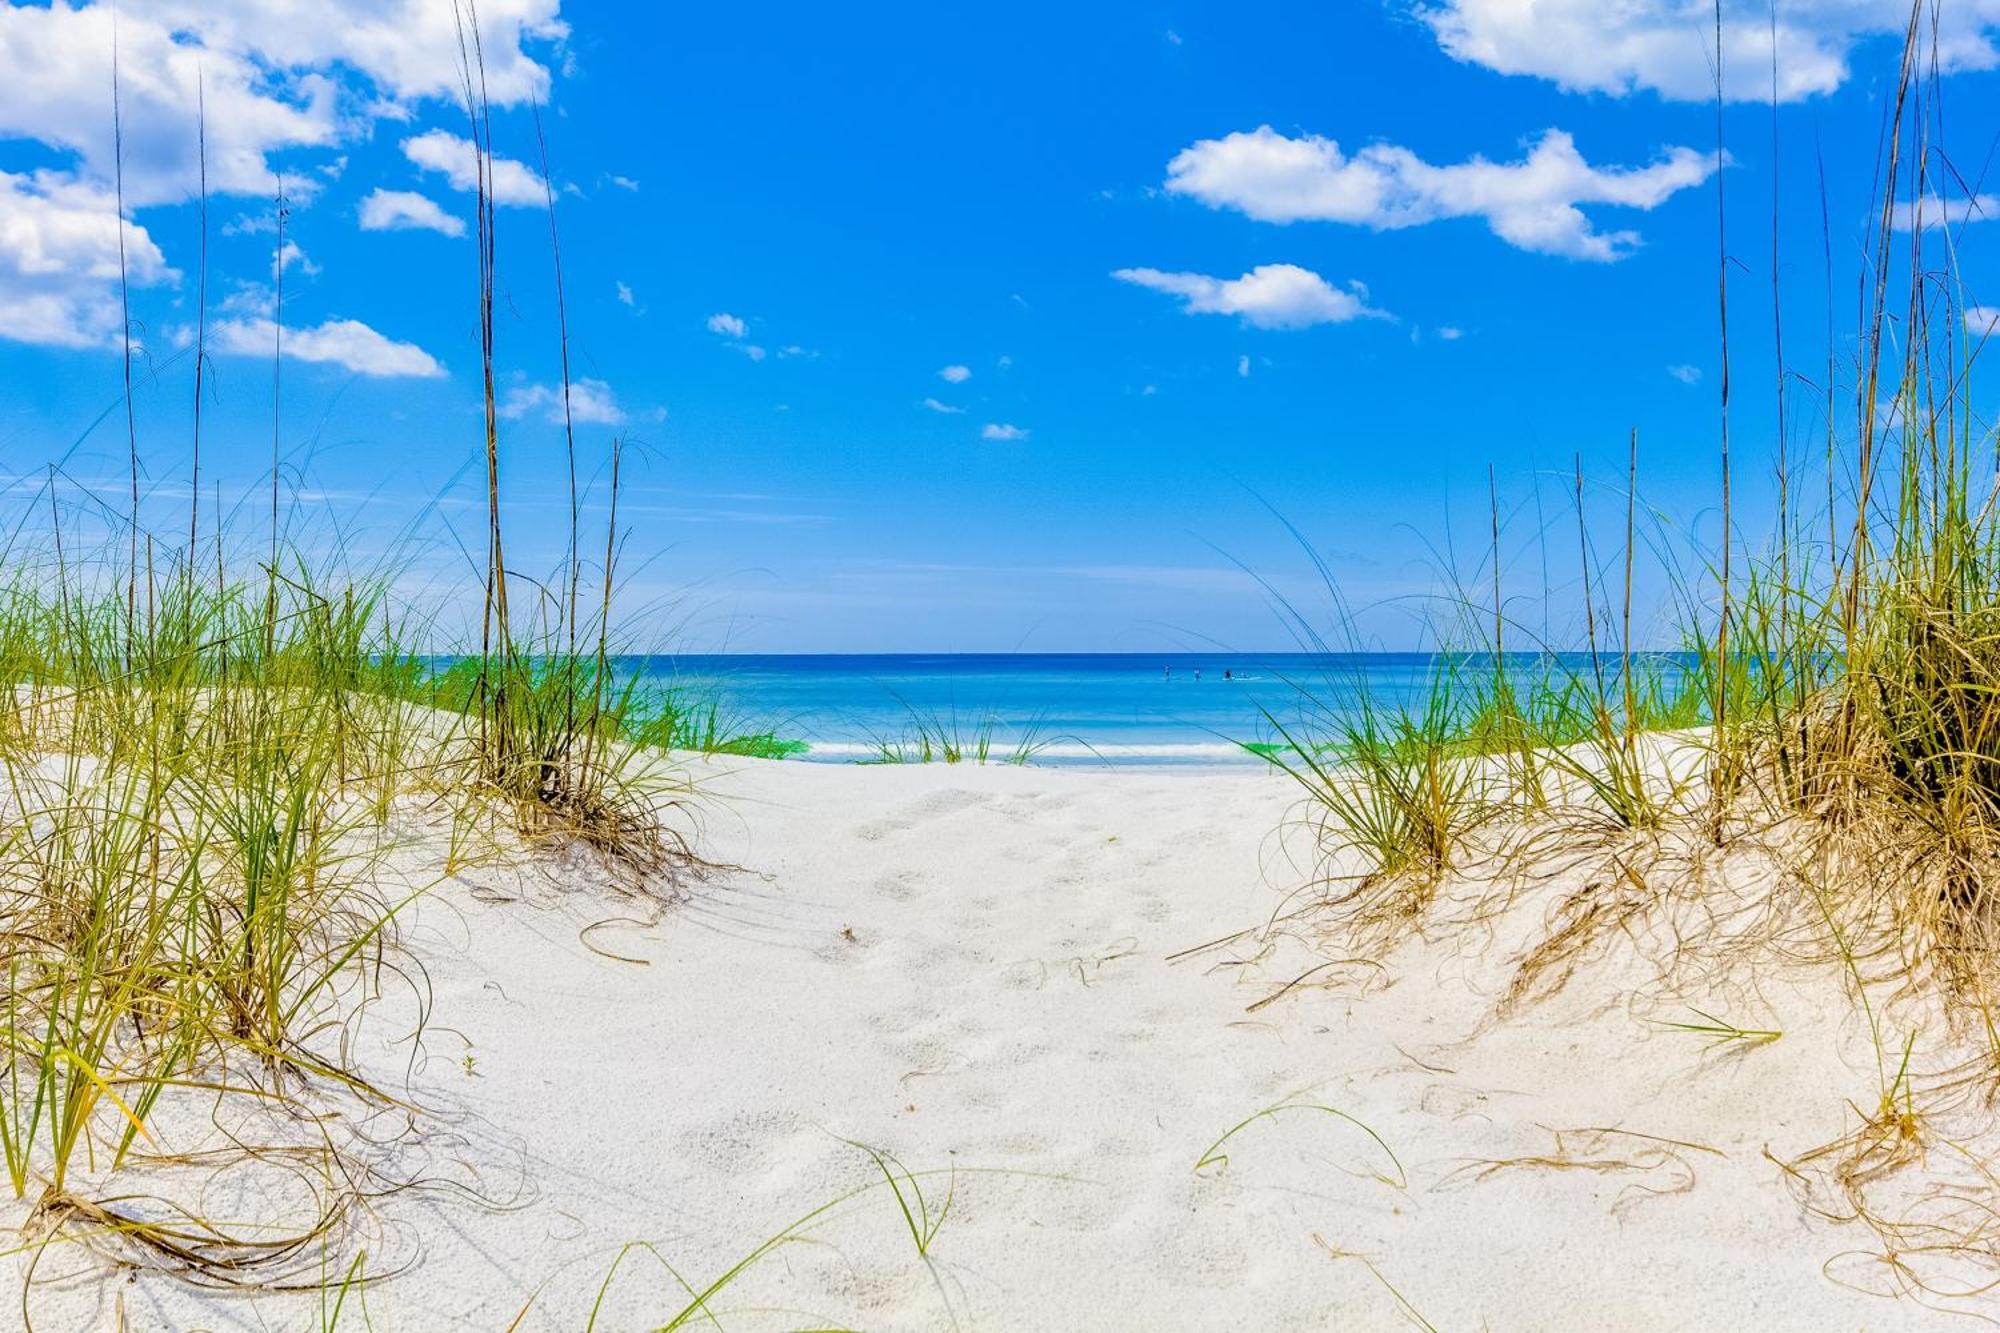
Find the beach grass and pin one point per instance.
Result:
(1836, 682)
(930, 736)
(204, 771)
(210, 740)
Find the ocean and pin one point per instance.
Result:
(1075, 708)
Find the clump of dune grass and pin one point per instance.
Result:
(1836, 688)
(202, 768)
(549, 719)
(190, 889)
(932, 737)
(1395, 786)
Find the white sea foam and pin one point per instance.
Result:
(1137, 752)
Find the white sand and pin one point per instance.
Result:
(969, 968)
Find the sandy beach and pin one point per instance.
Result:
(774, 668)
(974, 969)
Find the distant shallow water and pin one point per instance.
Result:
(1066, 708)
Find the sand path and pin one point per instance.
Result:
(969, 968)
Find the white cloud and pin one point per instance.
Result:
(1686, 374)
(1243, 367)
(508, 181)
(1270, 296)
(275, 75)
(590, 401)
(1450, 334)
(734, 328)
(1668, 46)
(1982, 320)
(341, 342)
(955, 374)
(59, 262)
(994, 430)
(1935, 211)
(408, 48)
(625, 296)
(1532, 204)
(946, 408)
(291, 256)
(405, 210)
(624, 182)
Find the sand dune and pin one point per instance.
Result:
(973, 970)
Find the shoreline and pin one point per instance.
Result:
(1131, 754)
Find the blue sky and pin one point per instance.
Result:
(942, 328)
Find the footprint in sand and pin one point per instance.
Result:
(742, 1144)
(1079, 1208)
(1026, 974)
(900, 1019)
(947, 802)
(1021, 1145)
(1199, 1256)
(927, 1055)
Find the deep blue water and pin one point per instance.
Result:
(1072, 707)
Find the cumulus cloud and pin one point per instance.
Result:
(1270, 296)
(955, 374)
(994, 430)
(1982, 320)
(274, 76)
(339, 342)
(590, 401)
(1243, 367)
(291, 256)
(1668, 46)
(1532, 204)
(735, 328)
(1685, 374)
(405, 210)
(508, 181)
(59, 261)
(1936, 210)
(946, 408)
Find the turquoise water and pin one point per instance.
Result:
(1069, 707)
